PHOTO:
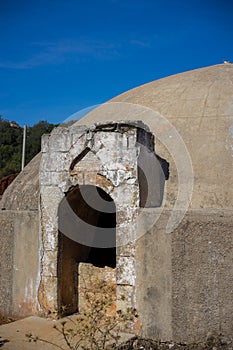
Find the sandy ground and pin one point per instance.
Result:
(12, 335)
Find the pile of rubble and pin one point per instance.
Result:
(213, 342)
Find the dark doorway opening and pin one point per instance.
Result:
(87, 233)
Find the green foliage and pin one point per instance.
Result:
(11, 138)
(34, 134)
(98, 326)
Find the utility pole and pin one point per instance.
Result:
(24, 146)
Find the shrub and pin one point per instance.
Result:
(98, 326)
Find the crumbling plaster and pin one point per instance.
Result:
(104, 155)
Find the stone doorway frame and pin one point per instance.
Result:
(104, 155)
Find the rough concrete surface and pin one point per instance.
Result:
(23, 192)
(185, 278)
(19, 263)
(199, 104)
(15, 334)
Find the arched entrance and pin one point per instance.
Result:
(80, 166)
(87, 233)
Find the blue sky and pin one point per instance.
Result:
(60, 56)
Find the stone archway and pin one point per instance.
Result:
(105, 156)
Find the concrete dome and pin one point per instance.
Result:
(199, 104)
(23, 193)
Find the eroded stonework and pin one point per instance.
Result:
(105, 156)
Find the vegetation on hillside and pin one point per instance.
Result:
(11, 139)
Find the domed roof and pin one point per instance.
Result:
(23, 192)
(199, 105)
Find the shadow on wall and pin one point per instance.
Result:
(153, 171)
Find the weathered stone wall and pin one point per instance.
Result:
(185, 278)
(104, 155)
(19, 262)
(90, 278)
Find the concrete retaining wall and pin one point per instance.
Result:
(19, 263)
(185, 278)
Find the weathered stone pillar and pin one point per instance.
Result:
(105, 156)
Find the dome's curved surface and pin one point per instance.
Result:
(23, 193)
(199, 104)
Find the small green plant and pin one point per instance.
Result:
(98, 326)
